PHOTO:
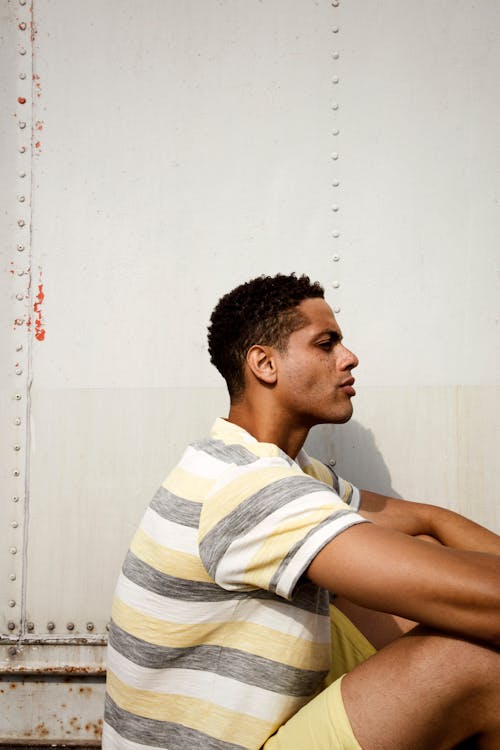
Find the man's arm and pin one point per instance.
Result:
(420, 519)
(456, 591)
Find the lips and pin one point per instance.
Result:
(347, 387)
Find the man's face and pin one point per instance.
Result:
(315, 384)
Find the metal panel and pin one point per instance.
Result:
(130, 235)
(15, 302)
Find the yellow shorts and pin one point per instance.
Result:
(323, 724)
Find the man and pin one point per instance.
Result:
(220, 635)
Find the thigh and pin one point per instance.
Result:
(424, 690)
(378, 628)
(322, 724)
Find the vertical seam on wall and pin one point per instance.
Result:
(335, 155)
(29, 357)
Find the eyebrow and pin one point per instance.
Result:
(332, 334)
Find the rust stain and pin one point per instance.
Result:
(74, 724)
(38, 85)
(41, 730)
(37, 308)
(39, 124)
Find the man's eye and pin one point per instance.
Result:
(325, 344)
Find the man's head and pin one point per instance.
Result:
(262, 311)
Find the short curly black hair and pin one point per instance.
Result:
(261, 311)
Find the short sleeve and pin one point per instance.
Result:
(263, 524)
(347, 491)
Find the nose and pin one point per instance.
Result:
(349, 359)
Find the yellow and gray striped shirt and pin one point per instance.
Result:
(217, 638)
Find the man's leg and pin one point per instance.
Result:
(425, 691)
(378, 627)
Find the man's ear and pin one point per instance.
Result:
(262, 363)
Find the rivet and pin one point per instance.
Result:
(51, 625)
(20, 248)
(21, 198)
(336, 131)
(22, 76)
(22, 125)
(18, 396)
(335, 156)
(22, 51)
(22, 2)
(336, 55)
(17, 421)
(335, 234)
(19, 297)
(335, 284)
(70, 626)
(15, 499)
(17, 447)
(90, 626)
(336, 309)
(335, 29)
(22, 149)
(13, 550)
(19, 348)
(336, 183)
(335, 3)
(16, 473)
(22, 26)
(21, 100)
(19, 371)
(30, 626)
(12, 650)
(11, 625)
(107, 626)
(336, 258)
(21, 223)
(12, 603)
(335, 208)
(335, 106)
(14, 524)
(12, 577)
(22, 174)
(20, 272)
(335, 79)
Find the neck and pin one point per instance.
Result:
(269, 425)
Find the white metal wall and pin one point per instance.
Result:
(172, 150)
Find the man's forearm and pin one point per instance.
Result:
(418, 519)
(458, 532)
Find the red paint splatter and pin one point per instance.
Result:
(37, 308)
(38, 144)
(39, 125)
(21, 100)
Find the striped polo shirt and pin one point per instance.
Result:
(217, 637)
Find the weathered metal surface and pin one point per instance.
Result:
(50, 658)
(51, 710)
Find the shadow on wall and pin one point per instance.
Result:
(354, 449)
